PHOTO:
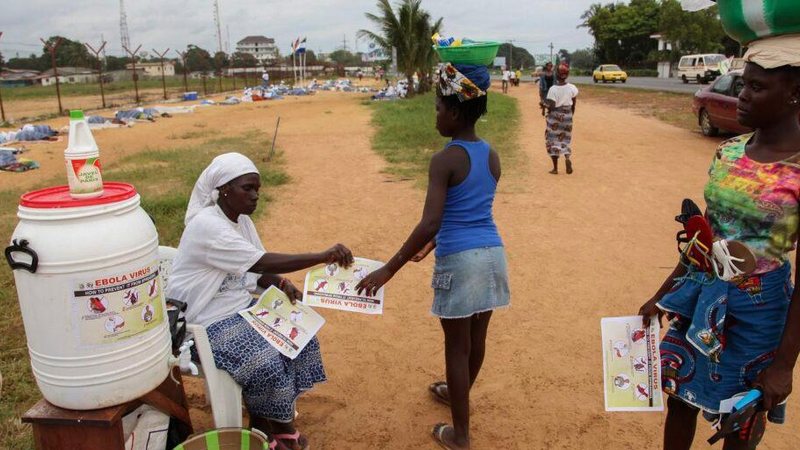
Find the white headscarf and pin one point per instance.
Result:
(773, 52)
(222, 169)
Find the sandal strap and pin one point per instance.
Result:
(287, 437)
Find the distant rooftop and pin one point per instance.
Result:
(256, 40)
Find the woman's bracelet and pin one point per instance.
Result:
(282, 283)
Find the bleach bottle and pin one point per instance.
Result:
(82, 159)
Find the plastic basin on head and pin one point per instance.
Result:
(479, 54)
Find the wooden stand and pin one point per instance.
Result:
(56, 428)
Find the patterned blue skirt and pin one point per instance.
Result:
(722, 334)
(270, 381)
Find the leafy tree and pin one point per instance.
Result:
(622, 32)
(563, 56)
(242, 59)
(32, 62)
(408, 30)
(583, 59)
(69, 54)
(691, 32)
(521, 56)
(221, 61)
(197, 59)
(116, 62)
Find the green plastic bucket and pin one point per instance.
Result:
(226, 439)
(748, 20)
(479, 54)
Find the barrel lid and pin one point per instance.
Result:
(58, 197)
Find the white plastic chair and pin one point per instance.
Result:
(222, 391)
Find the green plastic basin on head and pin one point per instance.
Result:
(76, 114)
(479, 54)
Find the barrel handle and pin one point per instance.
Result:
(21, 245)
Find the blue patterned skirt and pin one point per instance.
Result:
(722, 334)
(270, 381)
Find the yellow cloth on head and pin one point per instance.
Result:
(773, 52)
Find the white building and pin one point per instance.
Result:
(153, 69)
(69, 75)
(262, 48)
(664, 67)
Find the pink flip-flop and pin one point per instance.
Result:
(279, 438)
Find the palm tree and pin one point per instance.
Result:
(408, 31)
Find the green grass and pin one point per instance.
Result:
(406, 135)
(164, 178)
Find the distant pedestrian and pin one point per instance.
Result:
(517, 77)
(546, 80)
(506, 78)
(264, 79)
(561, 100)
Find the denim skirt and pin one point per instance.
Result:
(470, 282)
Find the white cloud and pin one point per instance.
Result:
(159, 24)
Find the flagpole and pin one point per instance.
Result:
(294, 72)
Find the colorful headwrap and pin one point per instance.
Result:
(467, 86)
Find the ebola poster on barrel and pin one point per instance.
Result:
(631, 364)
(287, 327)
(333, 286)
(109, 308)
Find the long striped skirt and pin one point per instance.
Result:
(558, 135)
(270, 381)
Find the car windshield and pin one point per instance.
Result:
(714, 59)
(612, 68)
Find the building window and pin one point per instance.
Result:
(71, 79)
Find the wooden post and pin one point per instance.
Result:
(52, 49)
(99, 68)
(183, 59)
(163, 79)
(133, 61)
(2, 110)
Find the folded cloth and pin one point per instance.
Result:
(773, 52)
(454, 82)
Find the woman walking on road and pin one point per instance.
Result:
(561, 100)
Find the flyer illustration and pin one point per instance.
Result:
(631, 364)
(287, 327)
(333, 287)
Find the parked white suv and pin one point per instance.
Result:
(700, 68)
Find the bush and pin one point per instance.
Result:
(642, 73)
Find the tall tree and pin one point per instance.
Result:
(242, 59)
(198, 59)
(409, 31)
(691, 32)
(622, 32)
(521, 56)
(69, 54)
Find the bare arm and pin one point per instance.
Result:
(650, 309)
(574, 103)
(282, 263)
(438, 178)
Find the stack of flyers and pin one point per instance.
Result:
(333, 287)
(287, 327)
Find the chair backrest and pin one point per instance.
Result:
(165, 257)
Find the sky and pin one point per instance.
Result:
(162, 24)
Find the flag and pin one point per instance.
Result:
(302, 46)
(295, 44)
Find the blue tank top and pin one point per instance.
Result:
(467, 220)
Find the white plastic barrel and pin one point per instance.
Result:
(86, 272)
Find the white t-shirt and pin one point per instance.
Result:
(506, 75)
(265, 76)
(562, 94)
(209, 272)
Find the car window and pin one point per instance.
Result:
(714, 59)
(613, 68)
(723, 85)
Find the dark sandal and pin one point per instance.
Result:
(569, 167)
(436, 392)
(438, 434)
(284, 441)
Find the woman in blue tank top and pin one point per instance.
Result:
(470, 278)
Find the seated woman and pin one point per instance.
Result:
(220, 261)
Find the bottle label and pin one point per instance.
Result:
(84, 176)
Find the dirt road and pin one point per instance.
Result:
(583, 246)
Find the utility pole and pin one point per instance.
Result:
(344, 43)
(511, 54)
(99, 68)
(551, 52)
(2, 110)
(183, 59)
(163, 79)
(51, 48)
(124, 36)
(135, 77)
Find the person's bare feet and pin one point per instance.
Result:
(569, 167)
(553, 172)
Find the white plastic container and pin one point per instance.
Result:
(86, 273)
(82, 158)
